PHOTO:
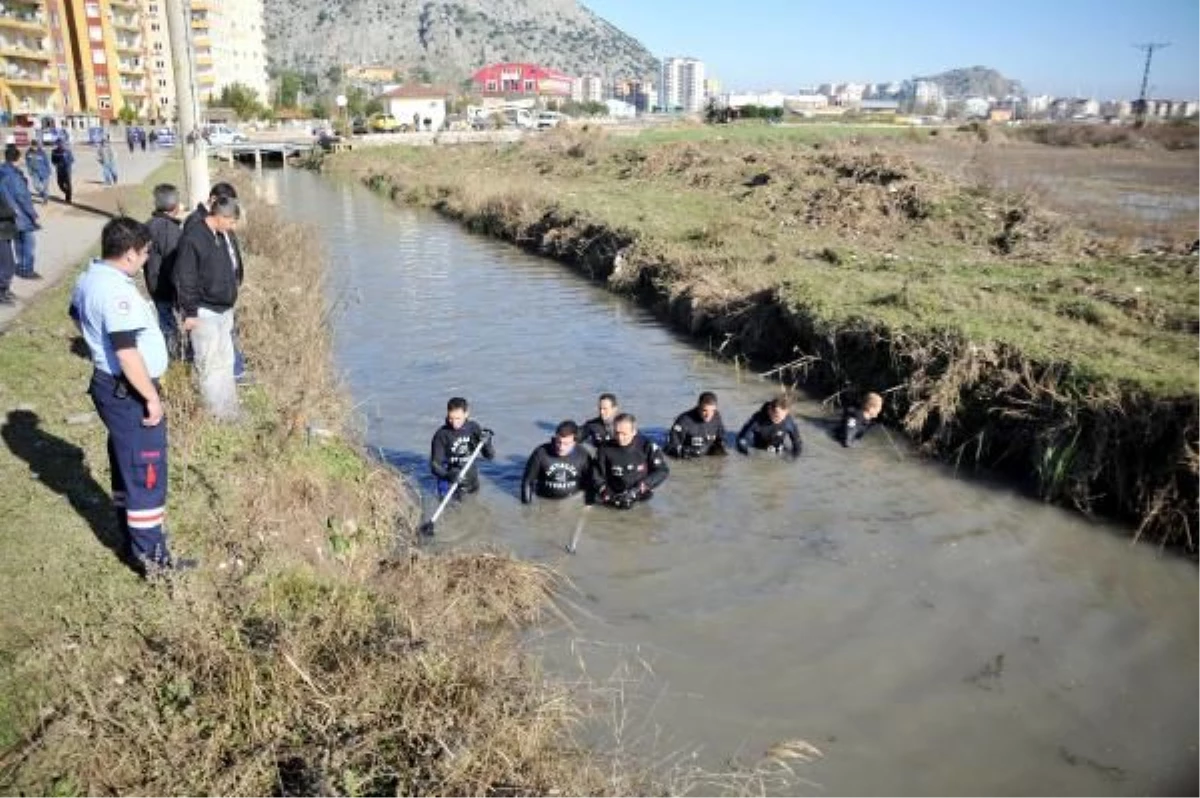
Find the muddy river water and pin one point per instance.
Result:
(930, 633)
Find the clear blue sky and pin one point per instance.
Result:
(1052, 46)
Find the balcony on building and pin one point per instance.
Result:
(13, 45)
(129, 44)
(131, 4)
(16, 75)
(125, 22)
(22, 19)
(136, 89)
(132, 67)
(199, 20)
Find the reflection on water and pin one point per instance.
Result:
(931, 635)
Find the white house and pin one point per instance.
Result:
(417, 101)
(619, 109)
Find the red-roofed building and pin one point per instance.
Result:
(528, 80)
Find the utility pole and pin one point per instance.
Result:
(195, 151)
(1148, 48)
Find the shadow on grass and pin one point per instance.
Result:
(59, 466)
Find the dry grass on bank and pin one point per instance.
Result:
(1003, 333)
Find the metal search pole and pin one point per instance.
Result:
(195, 151)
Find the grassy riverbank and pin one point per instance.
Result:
(311, 654)
(1001, 332)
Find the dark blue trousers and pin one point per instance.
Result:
(137, 458)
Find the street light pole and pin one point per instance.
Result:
(195, 153)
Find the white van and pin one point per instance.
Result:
(520, 117)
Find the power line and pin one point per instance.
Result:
(1148, 48)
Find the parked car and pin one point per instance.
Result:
(519, 117)
(384, 123)
(220, 135)
(165, 137)
(549, 119)
(359, 126)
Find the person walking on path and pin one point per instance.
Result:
(64, 161)
(164, 227)
(37, 161)
(8, 253)
(206, 284)
(131, 138)
(128, 357)
(108, 161)
(14, 188)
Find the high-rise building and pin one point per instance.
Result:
(682, 85)
(29, 84)
(160, 72)
(102, 53)
(238, 44)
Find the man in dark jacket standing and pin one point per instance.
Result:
(8, 255)
(230, 239)
(159, 271)
(14, 187)
(206, 284)
(64, 161)
(628, 468)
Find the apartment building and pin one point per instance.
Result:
(682, 85)
(237, 45)
(587, 89)
(160, 71)
(29, 84)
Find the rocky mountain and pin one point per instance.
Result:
(976, 81)
(448, 40)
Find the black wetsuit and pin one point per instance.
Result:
(854, 426)
(554, 476)
(624, 475)
(596, 432)
(761, 433)
(450, 450)
(692, 436)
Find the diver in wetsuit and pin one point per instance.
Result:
(628, 468)
(452, 446)
(558, 468)
(771, 429)
(857, 421)
(600, 429)
(698, 432)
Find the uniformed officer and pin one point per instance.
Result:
(128, 357)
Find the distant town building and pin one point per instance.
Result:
(806, 102)
(639, 93)
(880, 107)
(925, 92)
(371, 74)
(770, 99)
(976, 108)
(521, 79)
(682, 86)
(712, 88)
(417, 105)
(1001, 113)
(619, 109)
(587, 89)
(238, 44)
(1084, 108)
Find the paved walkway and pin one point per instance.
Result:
(69, 232)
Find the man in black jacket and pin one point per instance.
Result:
(628, 468)
(699, 431)
(159, 271)
(206, 284)
(600, 429)
(857, 420)
(771, 429)
(218, 191)
(452, 446)
(556, 469)
(8, 253)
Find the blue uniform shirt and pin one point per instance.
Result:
(106, 301)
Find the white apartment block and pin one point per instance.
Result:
(588, 89)
(239, 45)
(159, 70)
(682, 85)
